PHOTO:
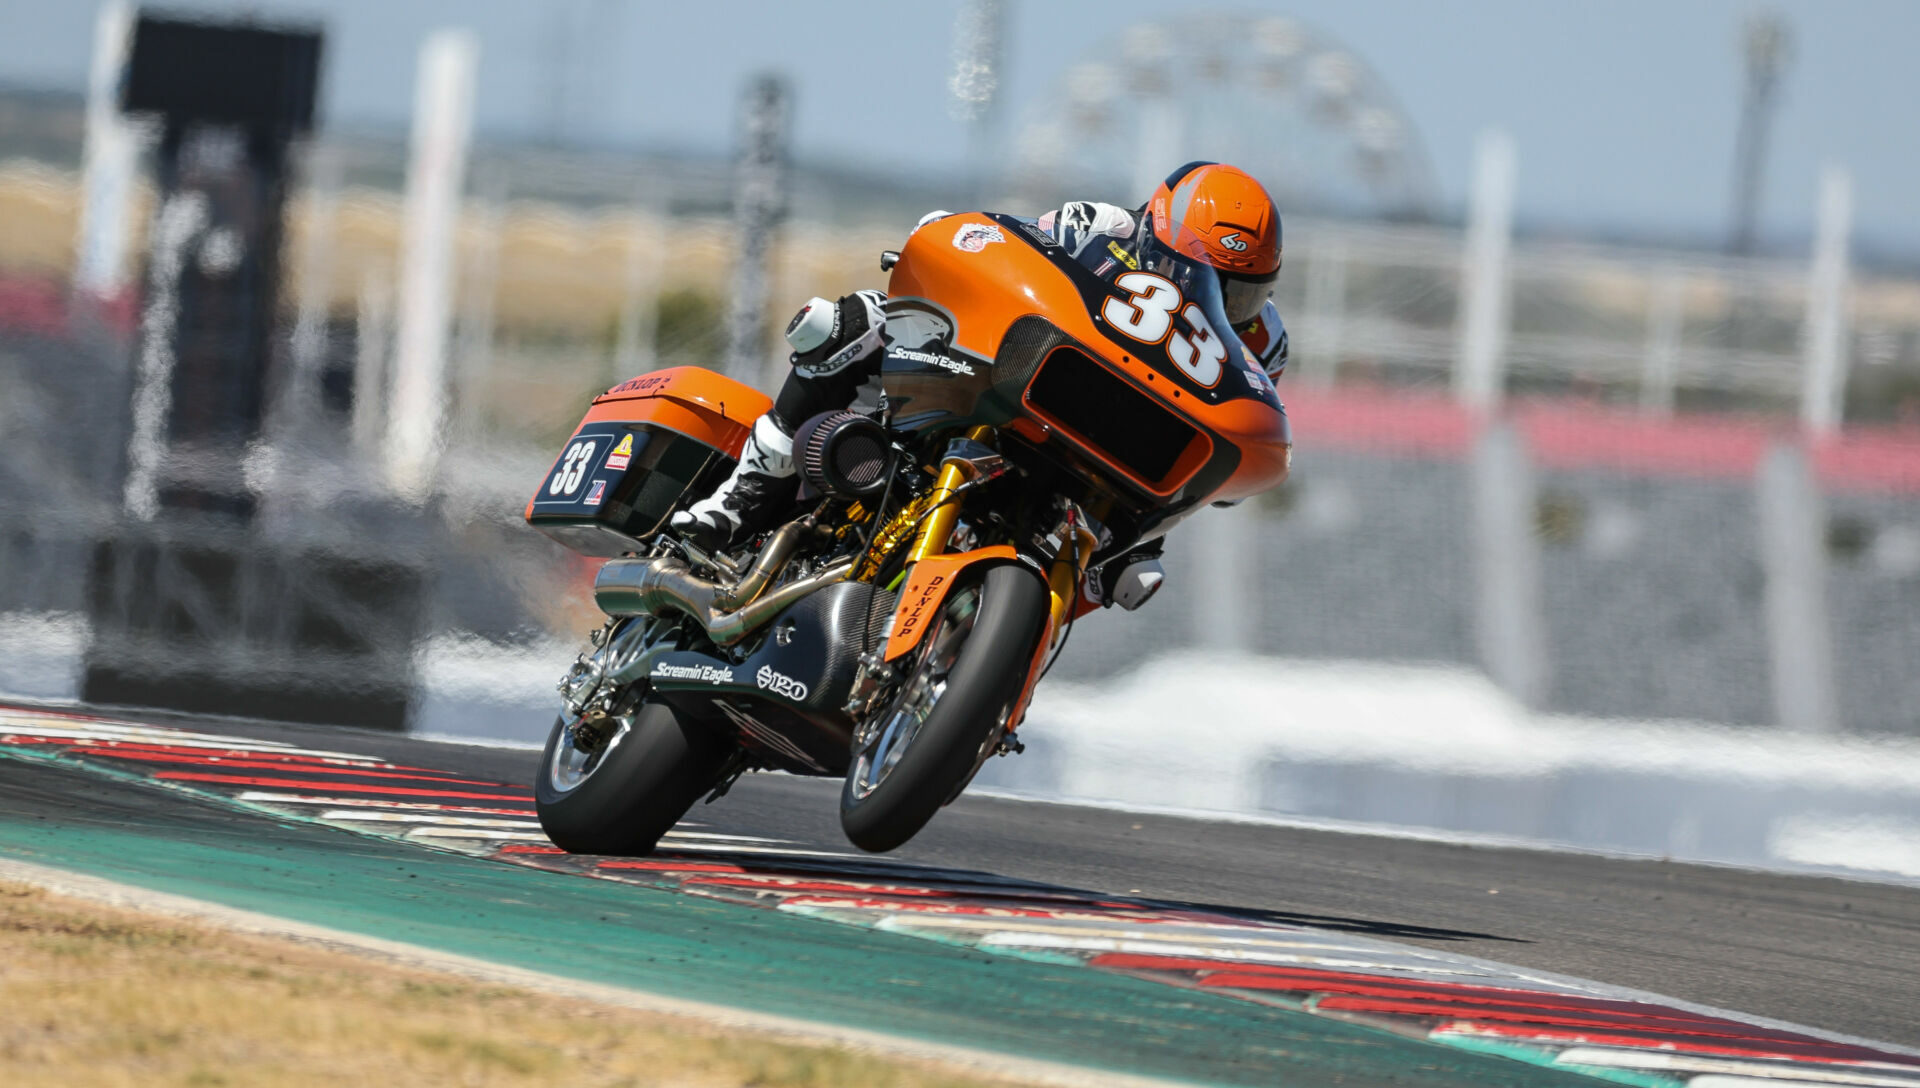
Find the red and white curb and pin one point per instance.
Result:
(1569, 1024)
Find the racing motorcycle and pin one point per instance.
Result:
(1044, 413)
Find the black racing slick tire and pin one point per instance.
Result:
(920, 751)
(620, 797)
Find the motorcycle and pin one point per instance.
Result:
(1044, 413)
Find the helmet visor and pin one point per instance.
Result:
(1243, 295)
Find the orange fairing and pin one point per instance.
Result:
(986, 288)
(926, 590)
(987, 285)
(1265, 440)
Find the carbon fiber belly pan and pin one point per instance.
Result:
(784, 699)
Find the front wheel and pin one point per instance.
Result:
(617, 788)
(970, 667)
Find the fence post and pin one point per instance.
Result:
(1325, 313)
(474, 328)
(1224, 573)
(759, 204)
(109, 160)
(1794, 561)
(1479, 372)
(1660, 368)
(1162, 132)
(313, 310)
(647, 241)
(1824, 343)
(1509, 622)
(373, 347)
(176, 230)
(436, 173)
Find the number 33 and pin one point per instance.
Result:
(1148, 317)
(572, 468)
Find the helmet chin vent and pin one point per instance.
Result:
(844, 454)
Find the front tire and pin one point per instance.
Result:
(620, 796)
(921, 750)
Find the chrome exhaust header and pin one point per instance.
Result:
(729, 613)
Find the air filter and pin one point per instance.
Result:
(844, 454)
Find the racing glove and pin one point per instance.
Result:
(1266, 338)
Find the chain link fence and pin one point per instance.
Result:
(1643, 587)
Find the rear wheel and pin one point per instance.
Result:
(971, 666)
(617, 788)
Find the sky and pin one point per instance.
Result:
(1623, 111)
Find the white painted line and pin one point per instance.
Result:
(1764, 1080)
(1869, 1074)
(850, 886)
(480, 742)
(1287, 946)
(1228, 958)
(62, 726)
(723, 849)
(63, 721)
(668, 841)
(1085, 923)
(476, 833)
(716, 837)
(424, 818)
(905, 887)
(268, 797)
(185, 740)
(1228, 942)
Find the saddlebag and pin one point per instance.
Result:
(643, 446)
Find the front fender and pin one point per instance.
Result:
(926, 590)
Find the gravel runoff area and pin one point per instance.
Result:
(97, 992)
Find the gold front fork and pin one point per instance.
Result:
(938, 530)
(1063, 578)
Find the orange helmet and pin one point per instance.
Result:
(1220, 215)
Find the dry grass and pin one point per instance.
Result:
(92, 995)
(560, 269)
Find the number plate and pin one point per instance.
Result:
(580, 478)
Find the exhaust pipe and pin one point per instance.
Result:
(768, 563)
(641, 587)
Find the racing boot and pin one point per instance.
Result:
(752, 499)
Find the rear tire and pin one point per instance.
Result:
(965, 706)
(627, 796)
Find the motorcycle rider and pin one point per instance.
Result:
(1216, 213)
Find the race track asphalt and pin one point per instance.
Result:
(1837, 954)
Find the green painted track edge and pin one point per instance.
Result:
(1326, 1027)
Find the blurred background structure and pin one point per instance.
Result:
(1597, 466)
